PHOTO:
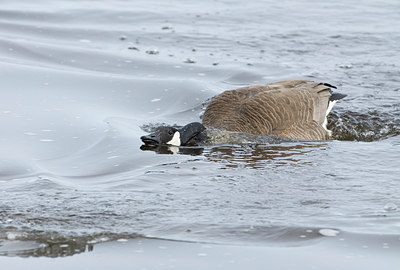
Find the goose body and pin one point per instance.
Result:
(295, 109)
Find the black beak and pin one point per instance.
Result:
(151, 139)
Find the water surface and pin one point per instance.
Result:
(81, 82)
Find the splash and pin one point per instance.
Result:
(367, 127)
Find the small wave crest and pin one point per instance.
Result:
(52, 244)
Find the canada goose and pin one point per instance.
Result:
(294, 109)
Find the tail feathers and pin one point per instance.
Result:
(330, 85)
(336, 96)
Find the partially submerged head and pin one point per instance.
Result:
(174, 136)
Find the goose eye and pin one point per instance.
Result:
(170, 132)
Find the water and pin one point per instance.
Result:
(81, 82)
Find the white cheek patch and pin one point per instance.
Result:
(176, 139)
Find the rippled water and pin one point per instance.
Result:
(80, 82)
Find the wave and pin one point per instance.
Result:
(52, 244)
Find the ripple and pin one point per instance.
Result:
(118, 66)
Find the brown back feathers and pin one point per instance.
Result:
(292, 108)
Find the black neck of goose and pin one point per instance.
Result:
(190, 131)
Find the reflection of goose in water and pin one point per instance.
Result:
(257, 156)
(295, 109)
(254, 156)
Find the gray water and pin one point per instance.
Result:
(81, 81)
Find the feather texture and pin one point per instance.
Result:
(291, 108)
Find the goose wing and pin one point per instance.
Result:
(290, 108)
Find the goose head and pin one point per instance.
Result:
(173, 136)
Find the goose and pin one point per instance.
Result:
(292, 109)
